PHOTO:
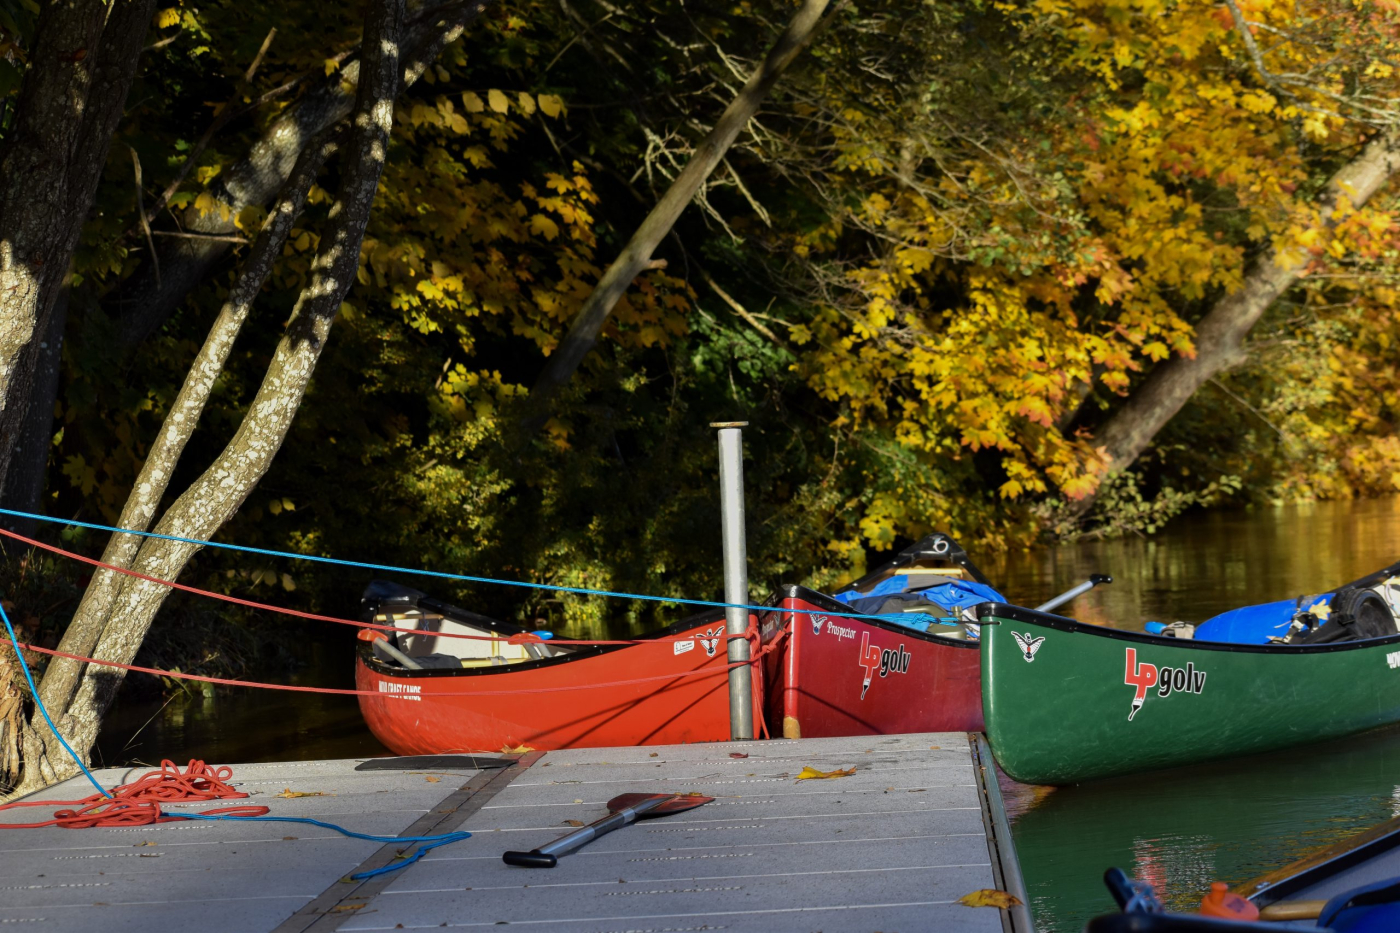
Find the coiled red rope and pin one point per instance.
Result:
(139, 803)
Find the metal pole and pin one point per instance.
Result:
(736, 574)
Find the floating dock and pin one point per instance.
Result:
(892, 847)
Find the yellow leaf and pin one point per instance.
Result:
(497, 100)
(573, 822)
(542, 224)
(288, 583)
(526, 103)
(989, 897)
(810, 773)
(472, 102)
(508, 749)
(291, 794)
(167, 18)
(551, 104)
(332, 65)
(431, 778)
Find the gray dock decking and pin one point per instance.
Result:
(889, 848)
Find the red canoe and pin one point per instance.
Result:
(474, 696)
(841, 675)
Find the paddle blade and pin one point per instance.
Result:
(677, 803)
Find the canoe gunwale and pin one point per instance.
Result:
(840, 609)
(366, 655)
(995, 613)
(1322, 864)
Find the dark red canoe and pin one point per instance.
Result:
(838, 675)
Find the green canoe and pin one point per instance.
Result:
(1066, 702)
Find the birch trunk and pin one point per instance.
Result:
(217, 494)
(588, 323)
(62, 675)
(1220, 334)
(84, 57)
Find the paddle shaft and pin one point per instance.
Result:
(547, 856)
(1069, 594)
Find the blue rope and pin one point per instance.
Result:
(433, 841)
(24, 666)
(896, 617)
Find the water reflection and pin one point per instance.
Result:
(1185, 828)
(1204, 564)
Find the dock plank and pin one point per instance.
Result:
(891, 847)
(230, 877)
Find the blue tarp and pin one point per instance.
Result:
(1257, 624)
(952, 596)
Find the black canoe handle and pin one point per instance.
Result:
(535, 859)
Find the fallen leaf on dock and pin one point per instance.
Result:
(989, 897)
(341, 908)
(738, 754)
(431, 779)
(653, 754)
(146, 843)
(810, 773)
(573, 822)
(515, 750)
(289, 794)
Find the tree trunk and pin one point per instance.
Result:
(1220, 334)
(588, 323)
(217, 494)
(24, 484)
(83, 60)
(145, 302)
(62, 675)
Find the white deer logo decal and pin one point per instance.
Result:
(1029, 645)
(710, 640)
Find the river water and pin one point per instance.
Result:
(1181, 829)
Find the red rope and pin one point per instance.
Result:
(700, 672)
(139, 803)
(282, 610)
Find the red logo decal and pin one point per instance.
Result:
(1143, 677)
(879, 660)
(869, 659)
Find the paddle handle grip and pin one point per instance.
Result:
(535, 859)
(548, 856)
